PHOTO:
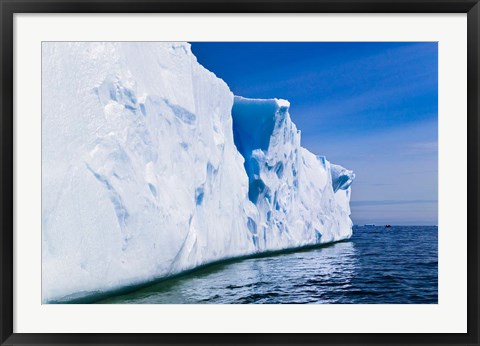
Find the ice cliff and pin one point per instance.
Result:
(150, 166)
(300, 198)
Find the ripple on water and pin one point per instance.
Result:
(377, 265)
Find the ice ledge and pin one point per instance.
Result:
(342, 178)
(278, 103)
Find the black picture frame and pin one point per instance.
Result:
(9, 7)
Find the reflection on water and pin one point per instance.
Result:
(398, 265)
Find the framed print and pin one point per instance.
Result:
(237, 173)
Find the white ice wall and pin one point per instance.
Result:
(141, 177)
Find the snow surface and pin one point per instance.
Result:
(142, 179)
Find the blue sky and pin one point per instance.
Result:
(371, 107)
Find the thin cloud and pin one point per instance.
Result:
(423, 147)
(390, 202)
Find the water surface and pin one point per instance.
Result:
(396, 265)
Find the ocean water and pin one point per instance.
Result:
(378, 265)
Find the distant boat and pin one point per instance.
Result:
(369, 224)
(388, 226)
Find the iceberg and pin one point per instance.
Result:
(151, 167)
(301, 198)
